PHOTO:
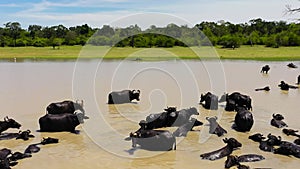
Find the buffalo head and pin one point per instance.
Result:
(232, 142)
(12, 123)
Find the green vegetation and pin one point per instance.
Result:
(257, 52)
(225, 34)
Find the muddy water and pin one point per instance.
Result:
(27, 88)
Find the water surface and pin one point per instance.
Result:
(28, 87)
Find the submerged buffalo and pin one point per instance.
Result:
(237, 99)
(214, 127)
(265, 69)
(171, 117)
(153, 140)
(8, 123)
(232, 144)
(243, 120)
(25, 135)
(267, 88)
(291, 132)
(124, 96)
(60, 122)
(211, 101)
(287, 148)
(236, 160)
(66, 106)
(285, 86)
(292, 65)
(277, 121)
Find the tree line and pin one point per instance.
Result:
(225, 34)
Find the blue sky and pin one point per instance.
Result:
(99, 12)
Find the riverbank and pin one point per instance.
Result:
(92, 52)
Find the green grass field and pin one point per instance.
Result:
(90, 52)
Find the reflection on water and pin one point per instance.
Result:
(28, 87)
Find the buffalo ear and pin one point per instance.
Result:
(225, 140)
(6, 118)
(273, 115)
(206, 118)
(139, 91)
(216, 117)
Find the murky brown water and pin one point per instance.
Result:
(27, 88)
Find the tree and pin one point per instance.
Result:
(14, 30)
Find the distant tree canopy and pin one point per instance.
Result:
(225, 34)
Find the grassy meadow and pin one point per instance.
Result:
(92, 52)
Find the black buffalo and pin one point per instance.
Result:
(291, 132)
(124, 96)
(18, 156)
(153, 140)
(265, 69)
(211, 101)
(232, 144)
(292, 65)
(243, 120)
(237, 99)
(297, 141)
(25, 135)
(285, 86)
(267, 88)
(277, 121)
(236, 160)
(257, 137)
(32, 148)
(214, 127)
(49, 140)
(8, 123)
(298, 80)
(287, 148)
(170, 117)
(66, 106)
(60, 122)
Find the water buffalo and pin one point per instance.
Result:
(124, 96)
(243, 120)
(257, 137)
(214, 127)
(49, 140)
(18, 156)
(287, 148)
(238, 99)
(297, 141)
(153, 140)
(273, 140)
(170, 118)
(292, 65)
(66, 106)
(236, 160)
(285, 86)
(185, 128)
(291, 132)
(267, 88)
(211, 101)
(298, 80)
(32, 148)
(60, 122)
(8, 123)
(25, 135)
(232, 144)
(277, 121)
(265, 69)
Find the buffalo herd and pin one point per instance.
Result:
(67, 115)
